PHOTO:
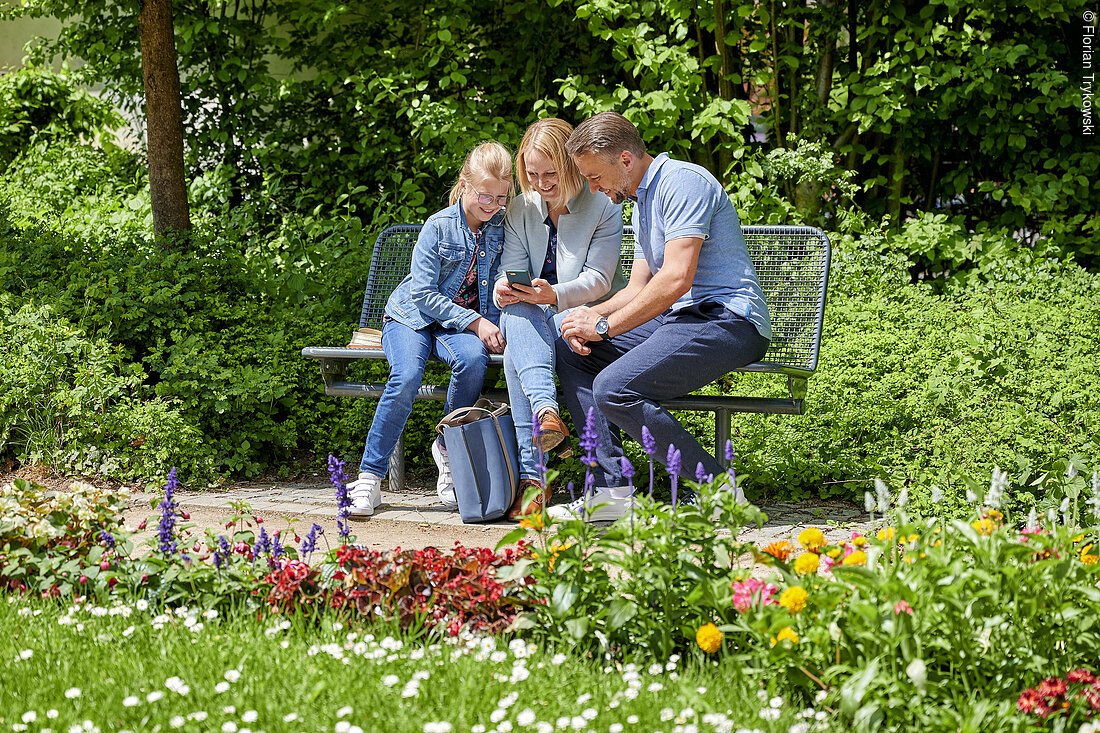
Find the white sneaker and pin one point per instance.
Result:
(444, 485)
(365, 493)
(601, 506)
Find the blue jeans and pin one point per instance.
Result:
(408, 351)
(530, 332)
(670, 356)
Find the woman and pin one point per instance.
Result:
(567, 240)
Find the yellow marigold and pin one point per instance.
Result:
(859, 557)
(995, 515)
(709, 638)
(806, 563)
(859, 540)
(812, 538)
(984, 526)
(913, 538)
(886, 534)
(779, 550)
(1087, 557)
(785, 634)
(834, 552)
(794, 598)
(533, 521)
(1078, 538)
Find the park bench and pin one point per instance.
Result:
(791, 262)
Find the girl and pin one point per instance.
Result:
(443, 308)
(568, 239)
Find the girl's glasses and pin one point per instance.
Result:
(487, 199)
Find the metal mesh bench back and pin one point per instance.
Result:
(792, 264)
(390, 262)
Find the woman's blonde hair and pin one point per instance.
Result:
(489, 160)
(548, 137)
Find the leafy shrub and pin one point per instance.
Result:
(73, 402)
(39, 108)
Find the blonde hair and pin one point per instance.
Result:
(606, 134)
(488, 160)
(548, 136)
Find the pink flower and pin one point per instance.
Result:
(902, 607)
(752, 592)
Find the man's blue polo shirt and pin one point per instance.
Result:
(678, 199)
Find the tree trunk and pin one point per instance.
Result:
(162, 111)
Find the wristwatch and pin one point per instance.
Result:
(601, 328)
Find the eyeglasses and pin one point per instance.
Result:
(486, 199)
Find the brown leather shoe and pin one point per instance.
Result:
(537, 503)
(552, 431)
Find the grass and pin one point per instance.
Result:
(85, 669)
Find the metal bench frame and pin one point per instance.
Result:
(792, 264)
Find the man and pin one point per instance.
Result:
(692, 311)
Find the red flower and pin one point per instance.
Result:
(1080, 675)
(1052, 687)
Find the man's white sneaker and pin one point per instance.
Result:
(601, 506)
(444, 485)
(365, 494)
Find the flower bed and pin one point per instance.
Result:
(926, 622)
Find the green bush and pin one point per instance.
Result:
(999, 371)
(75, 403)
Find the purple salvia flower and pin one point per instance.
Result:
(627, 469)
(536, 433)
(674, 466)
(589, 442)
(572, 491)
(166, 531)
(309, 544)
(263, 543)
(276, 546)
(221, 552)
(107, 539)
(701, 475)
(731, 470)
(339, 480)
(649, 445)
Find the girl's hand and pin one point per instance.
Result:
(541, 292)
(505, 295)
(489, 334)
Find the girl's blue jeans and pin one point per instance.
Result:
(529, 359)
(408, 351)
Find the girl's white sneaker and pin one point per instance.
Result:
(365, 493)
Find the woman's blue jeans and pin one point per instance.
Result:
(408, 352)
(529, 331)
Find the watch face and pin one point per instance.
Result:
(601, 327)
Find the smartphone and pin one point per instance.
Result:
(518, 277)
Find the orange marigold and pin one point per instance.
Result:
(1087, 556)
(779, 550)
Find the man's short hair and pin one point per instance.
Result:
(606, 134)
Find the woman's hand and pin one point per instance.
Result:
(505, 295)
(489, 334)
(541, 292)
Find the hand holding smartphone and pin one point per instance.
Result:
(518, 277)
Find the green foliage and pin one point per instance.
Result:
(39, 108)
(1001, 372)
(75, 403)
(642, 587)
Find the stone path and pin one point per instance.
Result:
(312, 501)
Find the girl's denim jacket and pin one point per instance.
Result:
(440, 261)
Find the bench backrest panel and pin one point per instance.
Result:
(792, 264)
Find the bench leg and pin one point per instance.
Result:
(397, 466)
(721, 435)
